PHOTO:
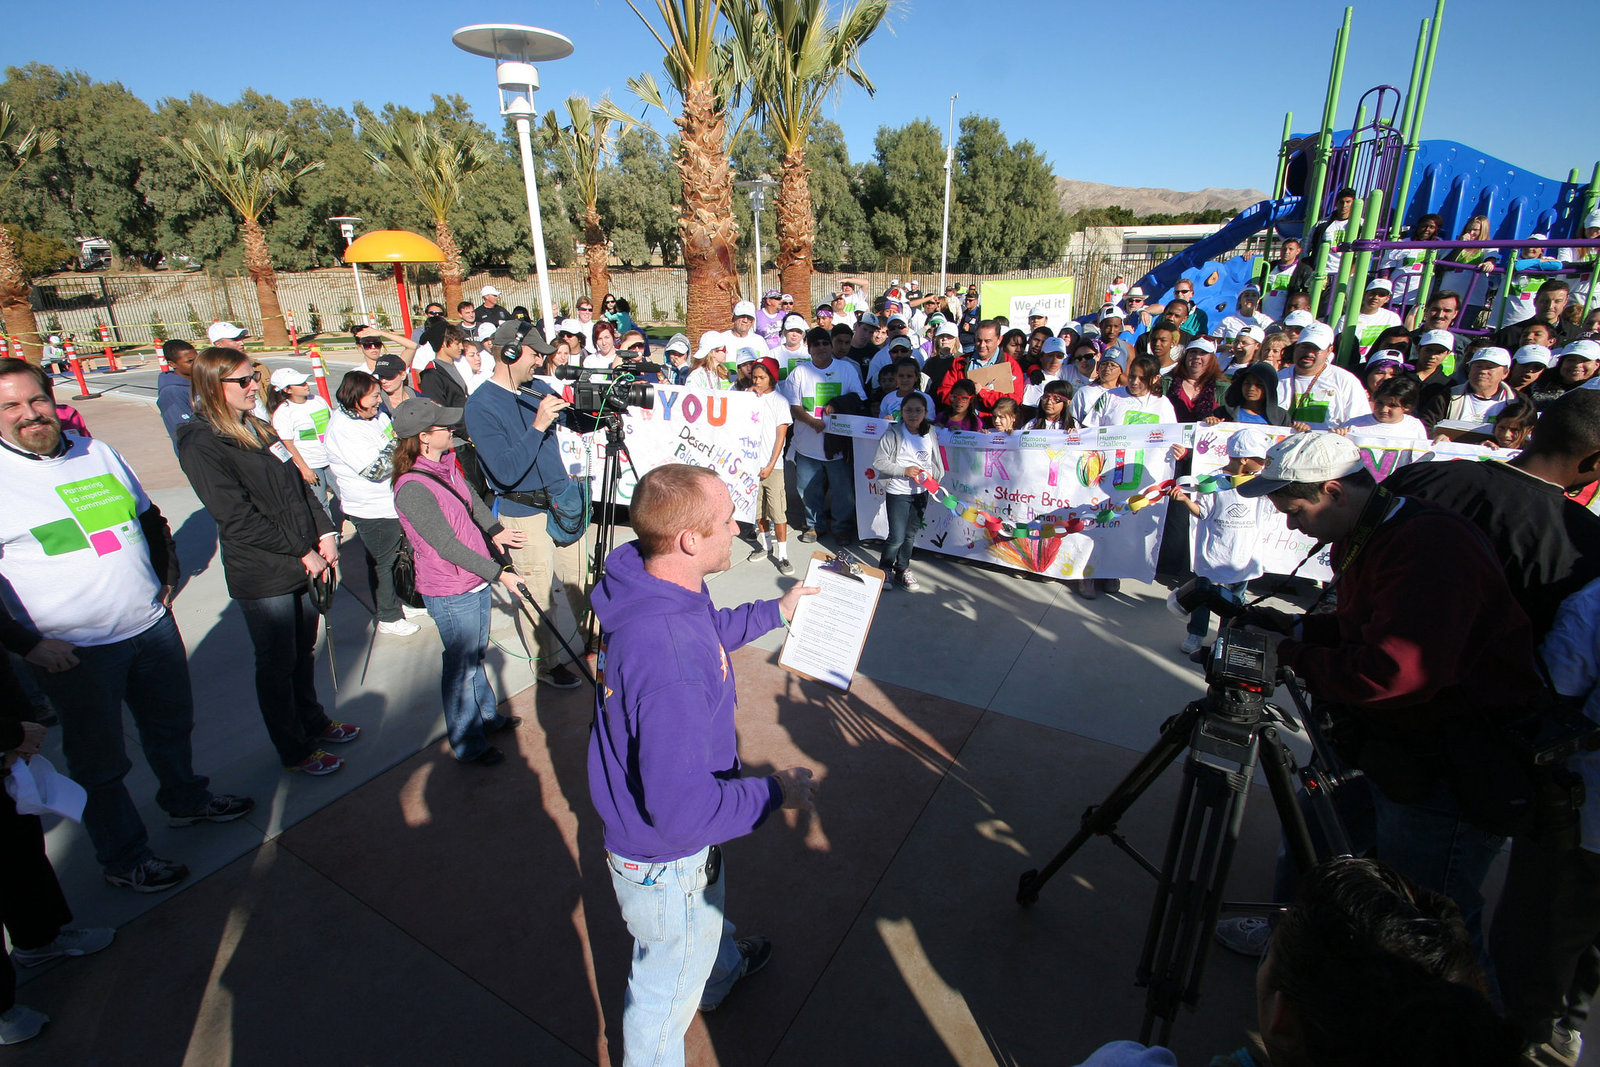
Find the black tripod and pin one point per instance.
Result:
(1227, 733)
(605, 537)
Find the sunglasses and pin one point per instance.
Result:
(371, 344)
(586, 309)
(635, 348)
(243, 381)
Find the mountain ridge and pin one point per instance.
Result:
(1144, 201)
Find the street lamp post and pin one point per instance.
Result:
(757, 190)
(347, 230)
(949, 165)
(515, 50)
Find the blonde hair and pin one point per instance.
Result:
(667, 501)
(210, 399)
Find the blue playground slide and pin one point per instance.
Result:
(1449, 179)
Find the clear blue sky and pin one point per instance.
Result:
(1196, 91)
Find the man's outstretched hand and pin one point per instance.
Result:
(799, 788)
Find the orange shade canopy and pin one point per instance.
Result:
(393, 246)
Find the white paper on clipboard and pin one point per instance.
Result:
(829, 630)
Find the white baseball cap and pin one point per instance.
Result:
(711, 341)
(744, 309)
(1053, 345)
(1533, 354)
(1249, 444)
(1200, 344)
(572, 326)
(1592, 219)
(1299, 317)
(1491, 354)
(947, 329)
(1038, 313)
(225, 331)
(1111, 311)
(1318, 333)
(900, 342)
(792, 321)
(1442, 338)
(284, 377)
(488, 290)
(1380, 283)
(897, 317)
(1315, 457)
(1254, 332)
(1583, 348)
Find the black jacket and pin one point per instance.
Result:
(266, 515)
(443, 387)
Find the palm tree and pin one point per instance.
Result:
(248, 169)
(708, 73)
(586, 140)
(16, 307)
(797, 56)
(435, 166)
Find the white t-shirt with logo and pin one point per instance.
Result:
(304, 425)
(811, 390)
(1409, 428)
(1330, 398)
(775, 412)
(890, 406)
(1116, 407)
(71, 547)
(354, 445)
(1369, 324)
(1226, 534)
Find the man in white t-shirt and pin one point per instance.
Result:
(1485, 393)
(91, 568)
(1317, 394)
(1374, 316)
(743, 336)
(1246, 312)
(811, 389)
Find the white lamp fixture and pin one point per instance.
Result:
(757, 190)
(515, 50)
(347, 229)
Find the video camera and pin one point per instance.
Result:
(1239, 658)
(598, 391)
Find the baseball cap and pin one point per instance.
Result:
(388, 365)
(1111, 311)
(1299, 317)
(679, 342)
(1388, 355)
(710, 341)
(1200, 344)
(947, 329)
(771, 294)
(795, 322)
(284, 377)
(487, 290)
(1038, 313)
(744, 309)
(1315, 457)
(572, 326)
(1442, 338)
(1583, 348)
(1491, 354)
(55, 338)
(868, 319)
(900, 342)
(515, 332)
(1251, 287)
(1088, 330)
(897, 317)
(1318, 333)
(225, 331)
(786, 296)
(1380, 283)
(1249, 444)
(1053, 345)
(1254, 332)
(418, 414)
(1526, 354)
(745, 351)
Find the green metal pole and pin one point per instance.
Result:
(1341, 288)
(1414, 136)
(1590, 198)
(1330, 109)
(1319, 276)
(1406, 119)
(1358, 278)
(1278, 182)
(1424, 283)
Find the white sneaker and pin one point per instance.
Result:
(400, 627)
(21, 1023)
(415, 613)
(1248, 935)
(1191, 644)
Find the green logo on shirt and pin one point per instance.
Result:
(98, 506)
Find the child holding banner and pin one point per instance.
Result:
(1228, 529)
(772, 500)
(1136, 403)
(907, 453)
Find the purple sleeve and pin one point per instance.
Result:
(737, 627)
(694, 805)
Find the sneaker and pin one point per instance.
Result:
(222, 807)
(67, 943)
(784, 566)
(401, 627)
(909, 581)
(20, 1024)
(1111, 585)
(488, 757)
(1086, 588)
(1564, 1045)
(1248, 935)
(151, 875)
(507, 722)
(755, 554)
(1191, 644)
(414, 613)
(756, 952)
(339, 733)
(317, 764)
(560, 677)
(808, 536)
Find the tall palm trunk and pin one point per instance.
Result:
(707, 226)
(595, 251)
(15, 308)
(258, 264)
(452, 270)
(797, 231)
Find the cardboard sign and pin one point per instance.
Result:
(997, 377)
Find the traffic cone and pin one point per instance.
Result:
(77, 371)
(321, 373)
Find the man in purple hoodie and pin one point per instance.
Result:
(664, 755)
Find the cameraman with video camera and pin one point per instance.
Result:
(1424, 663)
(514, 433)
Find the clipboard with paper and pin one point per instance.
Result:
(829, 630)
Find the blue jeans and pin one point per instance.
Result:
(469, 701)
(831, 478)
(150, 671)
(905, 519)
(1200, 618)
(1430, 843)
(683, 953)
(283, 630)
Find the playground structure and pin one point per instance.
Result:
(1397, 178)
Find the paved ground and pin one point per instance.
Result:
(412, 910)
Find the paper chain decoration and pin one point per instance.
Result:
(1005, 529)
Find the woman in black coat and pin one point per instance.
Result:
(274, 535)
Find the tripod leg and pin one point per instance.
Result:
(1205, 831)
(1277, 763)
(1103, 817)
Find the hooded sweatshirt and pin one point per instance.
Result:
(175, 402)
(664, 754)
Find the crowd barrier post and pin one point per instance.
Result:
(110, 354)
(77, 371)
(320, 370)
(294, 338)
(161, 355)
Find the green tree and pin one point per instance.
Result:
(18, 147)
(905, 192)
(248, 169)
(1005, 210)
(584, 142)
(798, 55)
(638, 197)
(844, 238)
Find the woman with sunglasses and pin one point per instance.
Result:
(274, 537)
